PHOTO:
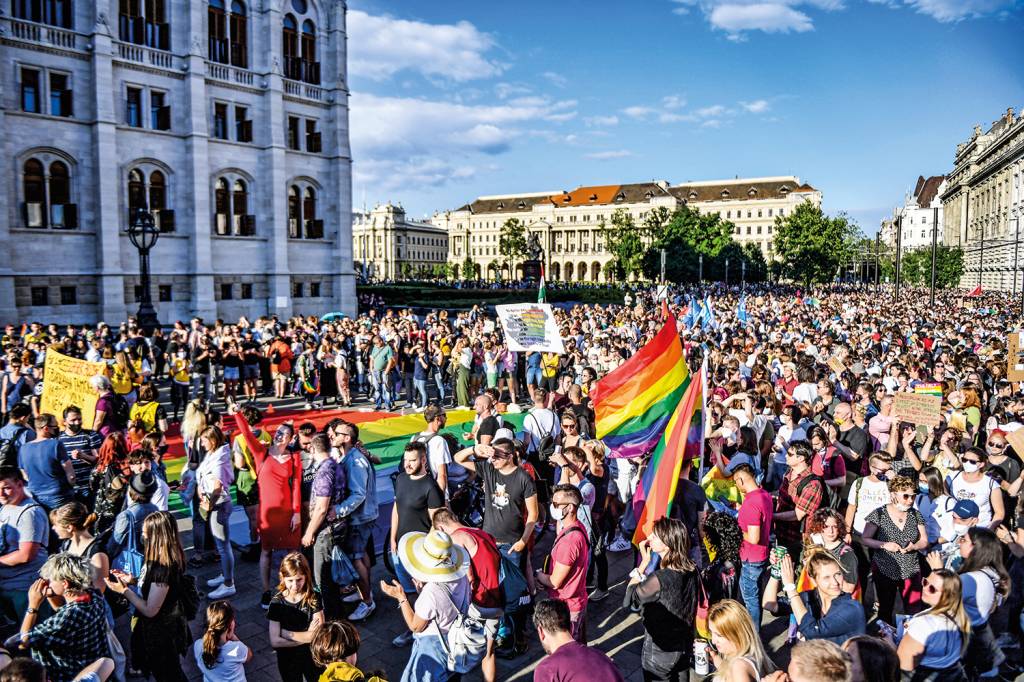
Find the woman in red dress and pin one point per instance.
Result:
(279, 477)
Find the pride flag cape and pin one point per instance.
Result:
(651, 404)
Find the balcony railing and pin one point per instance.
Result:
(229, 74)
(41, 34)
(143, 55)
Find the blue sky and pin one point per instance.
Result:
(456, 99)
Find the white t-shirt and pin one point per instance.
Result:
(939, 635)
(938, 516)
(805, 393)
(868, 498)
(979, 491)
(438, 456)
(539, 423)
(979, 593)
(230, 666)
(435, 604)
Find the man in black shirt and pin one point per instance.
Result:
(417, 497)
(487, 420)
(251, 365)
(851, 441)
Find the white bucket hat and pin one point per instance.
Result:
(432, 557)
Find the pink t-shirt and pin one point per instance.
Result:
(756, 510)
(571, 549)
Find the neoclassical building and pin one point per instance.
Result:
(983, 203)
(568, 224)
(917, 216)
(226, 119)
(388, 245)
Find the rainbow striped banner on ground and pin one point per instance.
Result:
(652, 404)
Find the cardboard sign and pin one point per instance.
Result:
(530, 327)
(66, 382)
(1016, 440)
(836, 366)
(918, 408)
(1015, 356)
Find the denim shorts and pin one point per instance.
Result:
(356, 538)
(231, 374)
(533, 375)
(404, 579)
(252, 371)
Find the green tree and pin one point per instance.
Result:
(811, 245)
(467, 268)
(688, 235)
(916, 267)
(512, 242)
(624, 239)
(406, 270)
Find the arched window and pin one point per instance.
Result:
(239, 35)
(310, 67)
(136, 192)
(290, 48)
(240, 207)
(52, 12)
(294, 213)
(309, 214)
(157, 192)
(221, 207)
(150, 194)
(216, 29)
(60, 194)
(34, 182)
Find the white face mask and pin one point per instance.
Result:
(960, 529)
(556, 512)
(904, 507)
(971, 467)
(726, 432)
(818, 539)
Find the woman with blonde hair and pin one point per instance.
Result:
(71, 522)
(192, 425)
(738, 654)
(934, 641)
(219, 654)
(214, 477)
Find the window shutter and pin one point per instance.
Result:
(163, 117)
(249, 225)
(165, 219)
(315, 142)
(66, 103)
(71, 216)
(245, 134)
(318, 230)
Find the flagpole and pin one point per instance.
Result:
(703, 379)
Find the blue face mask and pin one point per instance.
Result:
(923, 487)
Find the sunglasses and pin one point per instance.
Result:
(568, 426)
(996, 445)
(905, 496)
(972, 461)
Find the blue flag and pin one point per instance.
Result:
(741, 311)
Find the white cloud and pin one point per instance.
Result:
(669, 117)
(673, 102)
(596, 121)
(758, 106)
(381, 46)
(608, 155)
(638, 112)
(506, 90)
(955, 10)
(393, 175)
(713, 110)
(556, 79)
(711, 123)
(770, 17)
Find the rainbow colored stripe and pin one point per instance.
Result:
(651, 404)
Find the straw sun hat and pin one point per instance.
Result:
(432, 557)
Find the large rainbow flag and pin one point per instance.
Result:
(652, 404)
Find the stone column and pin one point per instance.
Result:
(194, 193)
(8, 304)
(342, 273)
(273, 178)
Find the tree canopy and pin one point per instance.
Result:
(811, 245)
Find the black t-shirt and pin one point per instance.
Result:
(294, 618)
(858, 441)
(505, 501)
(250, 352)
(584, 414)
(688, 503)
(201, 366)
(488, 427)
(414, 496)
(232, 360)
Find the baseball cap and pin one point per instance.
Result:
(966, 509)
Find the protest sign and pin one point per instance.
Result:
(836, 365)
(530, 327)
(929, 388)
(918, 408)
(66, 382)
(1016, 440)
(1015, 357)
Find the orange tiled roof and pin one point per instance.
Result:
(586, 196)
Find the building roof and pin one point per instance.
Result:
(511, 203)
(597, 195)
(925, 191)
(743, 189)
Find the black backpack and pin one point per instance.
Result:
(9, 448)
(120, 411)
(453, 443)
(189, 596)
(546, 446)
(829, 497)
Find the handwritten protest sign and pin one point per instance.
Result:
(530, 327)
(66, 382)
(918, 408)
(1015, 358)
(836, 365)
(1016, 440)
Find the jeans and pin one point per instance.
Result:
(382, 391)
(428, 661)
(204, 383)
(664, 666)
(407, 383)
(750, 589)
(421, 390)
(439, 380)
(404, 579)
(220, 529)
(323, 548)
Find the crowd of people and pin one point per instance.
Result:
(883, 549)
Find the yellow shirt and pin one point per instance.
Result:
(180, 370)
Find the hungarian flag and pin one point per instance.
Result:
(975, 292)
(542, 291)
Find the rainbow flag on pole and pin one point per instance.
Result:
(651, 404)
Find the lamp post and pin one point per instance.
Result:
(144, 234)
(726, 273)
(743, 275)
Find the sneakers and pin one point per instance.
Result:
(214, 582)
(362, 611)
(352, 597)
(265, 600)
(404, 639)
(222, 592)
(619, 544)
(598, 595)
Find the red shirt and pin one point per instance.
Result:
(572, 549)
(486, 565)
(756, 510)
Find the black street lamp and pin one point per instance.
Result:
(144, 234)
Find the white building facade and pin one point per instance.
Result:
(920, 217)
(387, 245)
(227, 120)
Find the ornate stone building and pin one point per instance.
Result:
(983, 204)
(387, 245)
(568, 223)
(226, 119)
